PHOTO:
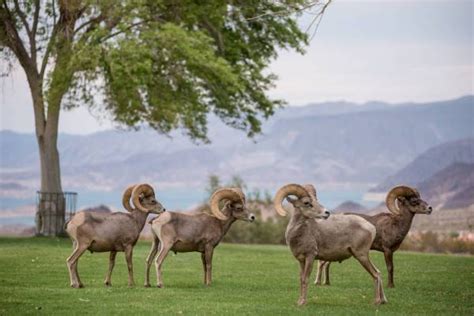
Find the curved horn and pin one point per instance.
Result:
(311, 189)
(240, 193)
(289, 189)
(127, 194)
(416, 192)
(139, 189)
(401, 190)
(224, 193)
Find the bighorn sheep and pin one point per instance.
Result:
(99, 232)
(391, 228)
(196, 231)
(334, 239)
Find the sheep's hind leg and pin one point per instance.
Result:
(326, 273)
(164, 249)
(149, 260)
(72, 265)
(375, 273)
(108, 277)
(320, 272)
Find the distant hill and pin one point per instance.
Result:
(350, 206)
(329, 143)
(452, 187)
(430, 162)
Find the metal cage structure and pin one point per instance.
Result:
(53, 210)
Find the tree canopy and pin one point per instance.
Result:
(163, 63)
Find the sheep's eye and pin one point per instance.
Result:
(307, 203)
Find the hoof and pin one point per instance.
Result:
(77, 286)
(380, 302)
(147, 285)
(160, 286)
(317, 283)
(301, 302)
(108, 284)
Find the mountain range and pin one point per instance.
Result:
(430, 162)
(329, 144)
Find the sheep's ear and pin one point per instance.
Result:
(401, 199)
(291, 200)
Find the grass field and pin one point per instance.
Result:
(247, 280)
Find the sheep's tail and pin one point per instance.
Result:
(65, 224)
(151, 220)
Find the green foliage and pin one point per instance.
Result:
(247, 280)
(271, 231)
(237, 182)
(212, 185)
(165, 64)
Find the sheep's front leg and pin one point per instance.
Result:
(108, 277)
(207, 264)
(304, 278)
(149, 260)
(388, 254)
(128, 257)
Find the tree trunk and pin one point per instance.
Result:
(51, 203)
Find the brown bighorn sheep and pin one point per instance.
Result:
(196, 231)
(99, 232)
(391, 228)
(334, 239)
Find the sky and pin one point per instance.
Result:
(393, 51)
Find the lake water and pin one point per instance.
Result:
(172, 199)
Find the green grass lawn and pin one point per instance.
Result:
(247, 279)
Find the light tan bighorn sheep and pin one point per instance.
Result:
(403, 202)
(196, 231)
(102, 232)
(335, 238)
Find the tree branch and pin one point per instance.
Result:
(91, 22)
(13, 39)
(22, 17)
(123, 31)
(318, 18)
(284, 12)
(49, 47)
(36, 18)
(33, 32)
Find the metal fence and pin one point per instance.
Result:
(53, 209)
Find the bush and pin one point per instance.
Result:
(438, 243)
(271, 231)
